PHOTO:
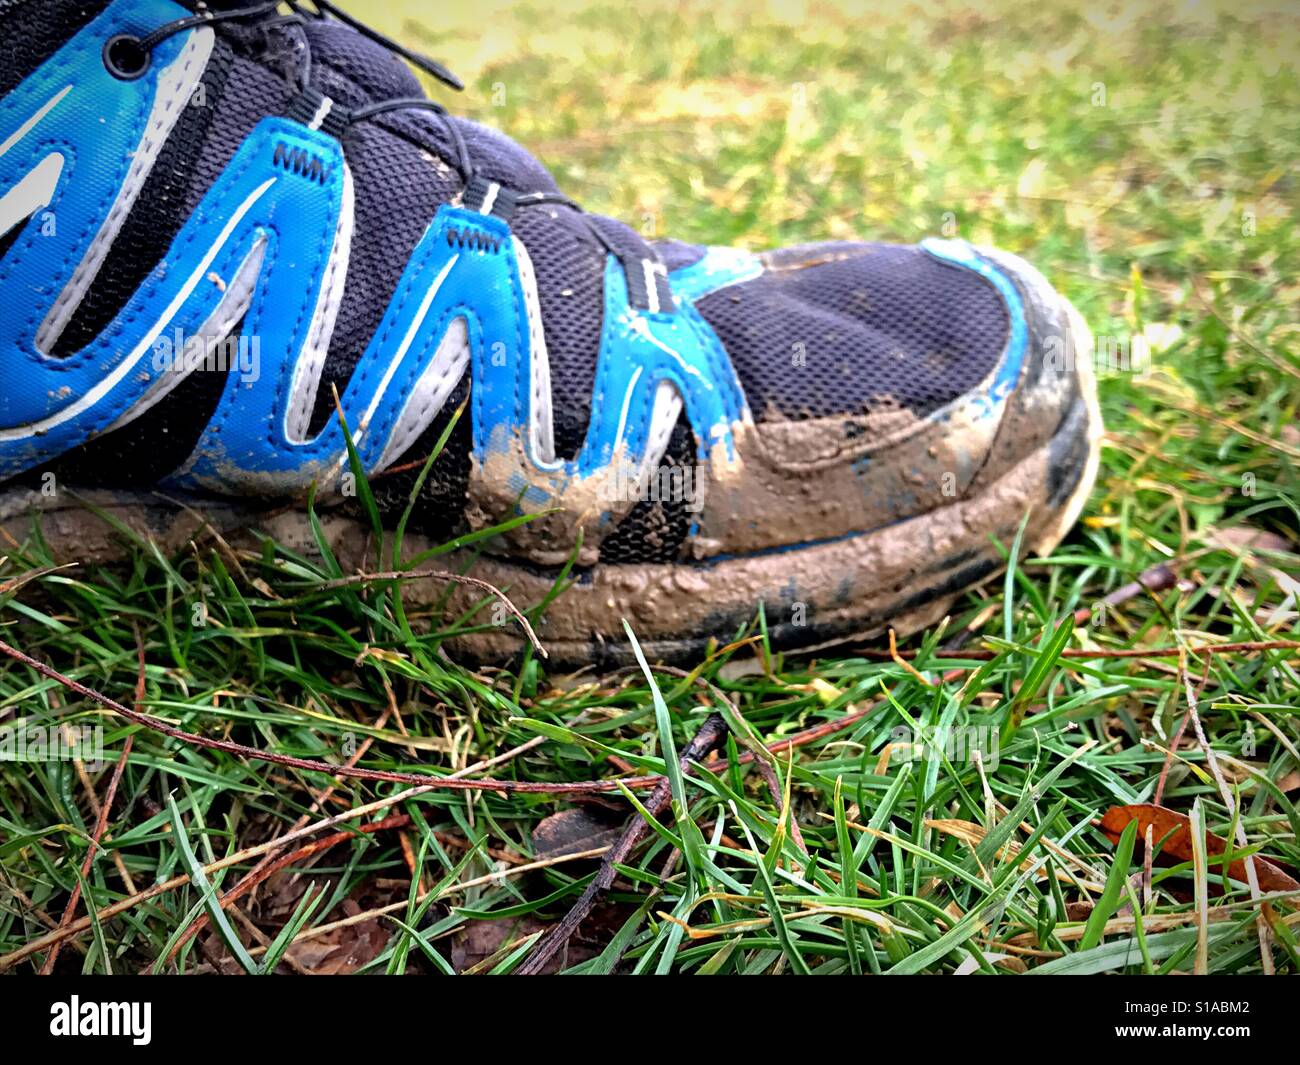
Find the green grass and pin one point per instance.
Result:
(1146, 162)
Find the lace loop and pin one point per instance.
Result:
(151, 41)
(129, 57)
(429, 66)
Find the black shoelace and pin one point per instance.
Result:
(130, 57)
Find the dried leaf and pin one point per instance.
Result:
(342, 950)
(1177, 827)
(582, 828)
(1248, 538)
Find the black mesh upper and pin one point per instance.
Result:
(570, 288)
(656, 527)
(439, 512)
(35, 29)
(352, 69)
(856, 329)
(251, 93)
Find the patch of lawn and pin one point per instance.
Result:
(1145, 160)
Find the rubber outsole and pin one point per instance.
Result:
(905, 576)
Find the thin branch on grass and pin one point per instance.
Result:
(1200, 651)
(423, 785)
(101, 823)
(1158, 578)
(1259, 349)
(903, 663)
(437, 575)
(710, 735)
(449, 783)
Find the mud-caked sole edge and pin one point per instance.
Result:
(905, 576)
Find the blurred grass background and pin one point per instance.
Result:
(1144, 156)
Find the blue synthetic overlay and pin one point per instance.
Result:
(717, 268)
(246, 445)
(93, 124)
(464, 267)
(459, 269)
(639, 350)
(1007, 372)
(278, 207)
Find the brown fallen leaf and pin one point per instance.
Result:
(1178, 844)
(343, 950)
(1249, 538)
(580, 828)
(1290, 782)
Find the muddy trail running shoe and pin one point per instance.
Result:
(216, 218)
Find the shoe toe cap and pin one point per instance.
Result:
(1053, 404)
(857, 330)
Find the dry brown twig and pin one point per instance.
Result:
(101, 823)
(451, 783)
(711, 733)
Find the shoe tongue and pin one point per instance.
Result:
(353, 69)
(276, 42)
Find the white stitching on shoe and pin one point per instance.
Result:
(233, 306)
(175, 86)
(311, 360)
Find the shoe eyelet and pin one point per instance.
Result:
(125, 58)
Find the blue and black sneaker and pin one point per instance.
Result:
(217, 218)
